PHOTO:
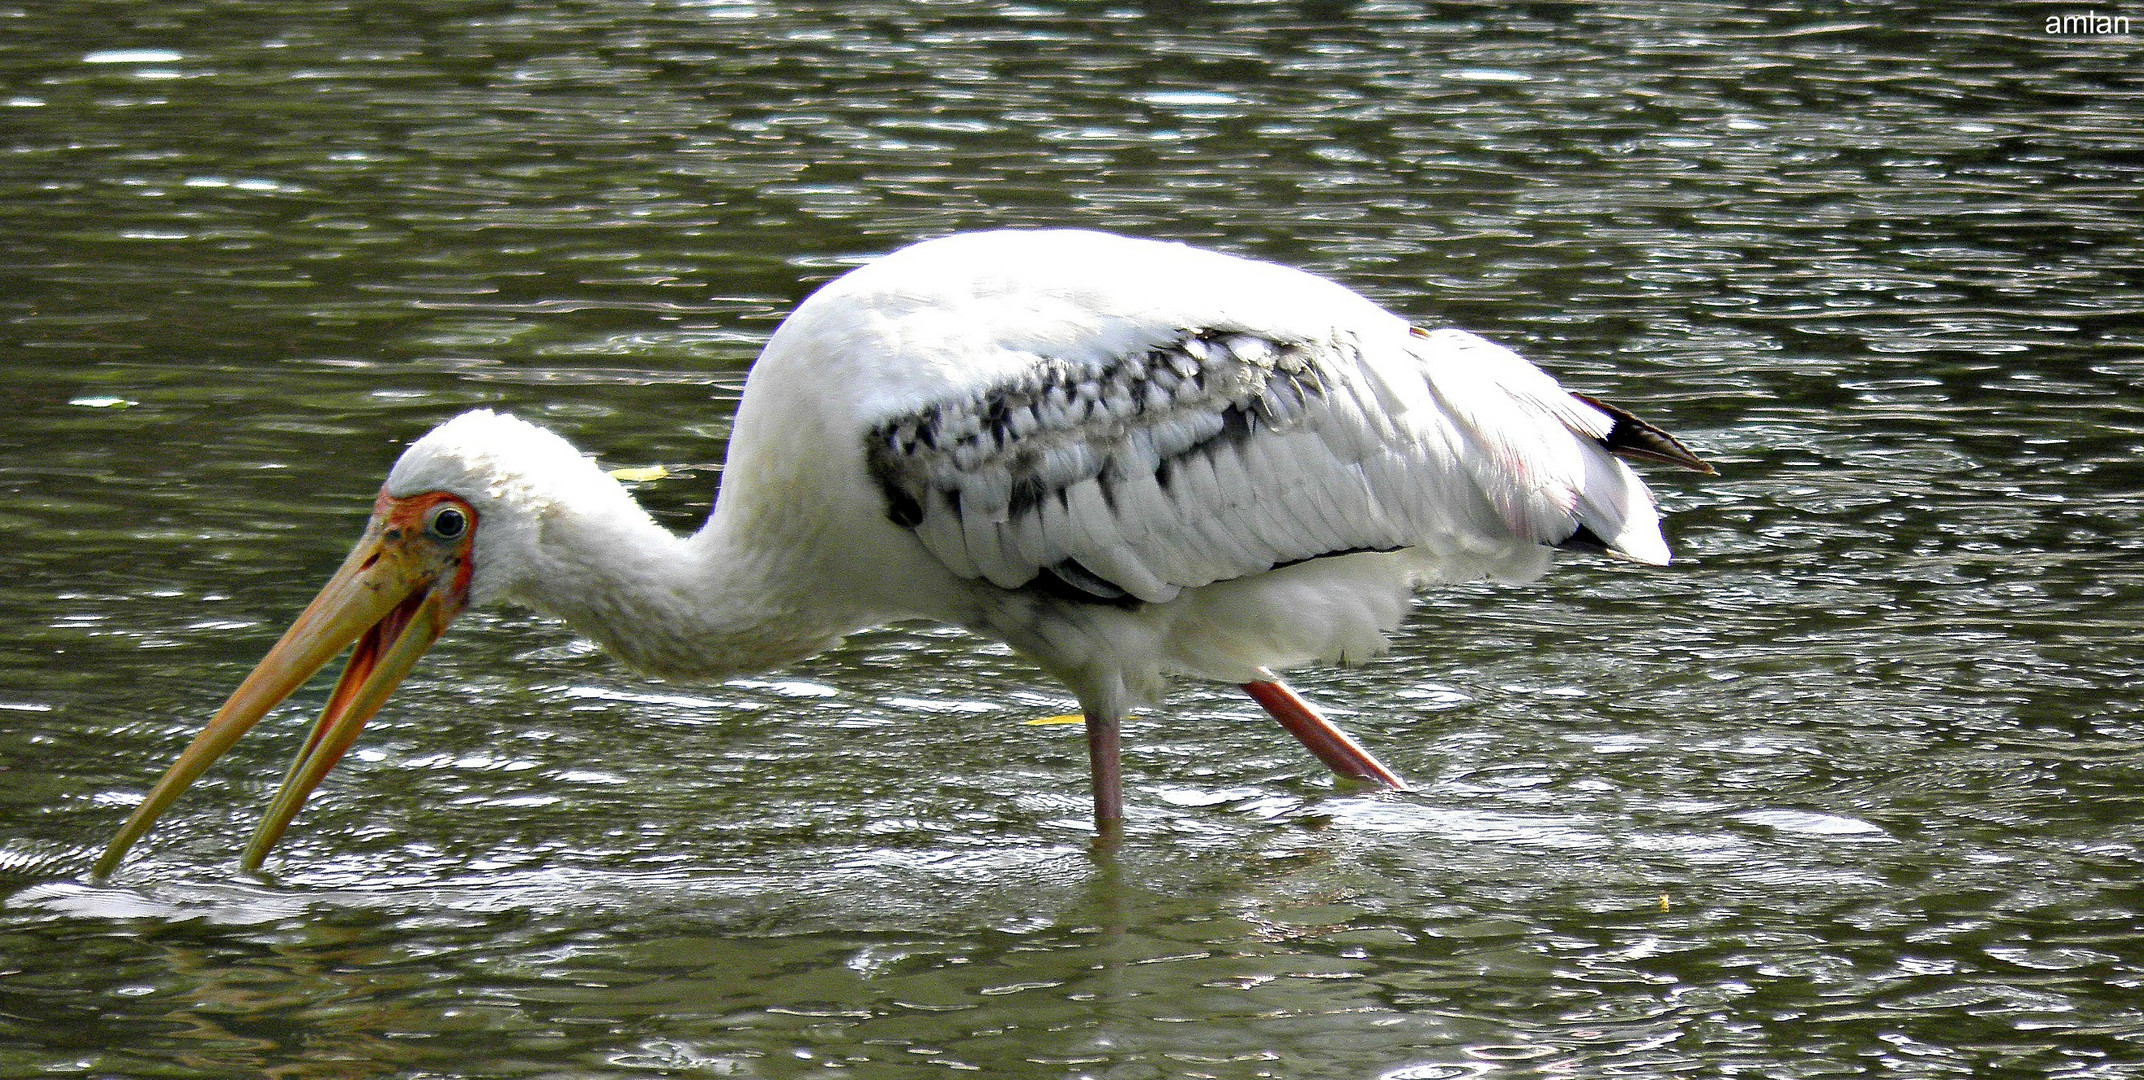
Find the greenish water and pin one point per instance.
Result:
(1853, 789)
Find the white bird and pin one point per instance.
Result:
(1125, 458)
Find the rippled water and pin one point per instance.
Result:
(1853, 788)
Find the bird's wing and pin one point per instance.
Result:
(1214, 454)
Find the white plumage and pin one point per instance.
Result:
(1453, 450)
(1128, 459)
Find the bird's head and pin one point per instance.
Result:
(455, 524)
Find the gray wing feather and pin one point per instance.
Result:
(1213, 455)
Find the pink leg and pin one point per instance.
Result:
(1333, 746)
(1105, 768)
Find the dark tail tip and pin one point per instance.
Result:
(1636, 439)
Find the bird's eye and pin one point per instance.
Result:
(447, 523)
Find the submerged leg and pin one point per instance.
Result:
(1105, 767)
(1333, 746)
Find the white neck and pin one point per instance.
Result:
(558, 534)
(701, 607)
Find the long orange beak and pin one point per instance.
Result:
(405, 581)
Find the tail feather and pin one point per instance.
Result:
(1518, 420)
(1616, 515)
(1636, 439)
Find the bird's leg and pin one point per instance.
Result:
(1105, 767)
(1333, 746)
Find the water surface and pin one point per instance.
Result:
(1850, 789)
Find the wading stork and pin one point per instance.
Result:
(1127, 459)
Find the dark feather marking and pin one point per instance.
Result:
(1027, 496)
(903, 508)
(1586, 540)
(1020, 427)
(1335, 555)
(1068, 580)
(1028, 491)
(1634, 438)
